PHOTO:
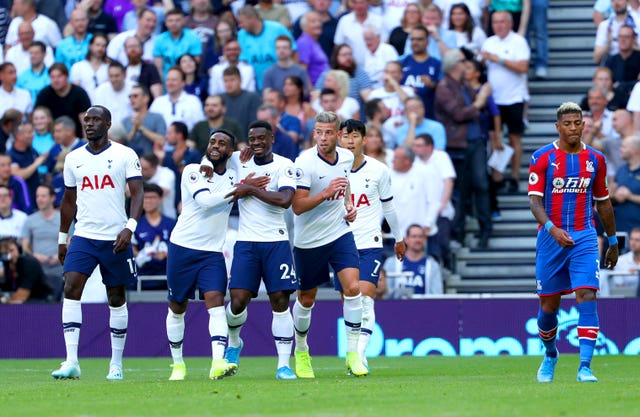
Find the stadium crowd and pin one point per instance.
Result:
(436, 82)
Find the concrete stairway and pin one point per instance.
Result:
(508, 265)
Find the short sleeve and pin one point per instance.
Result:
(303, 174)
(133, 170)
(537, 174)
(600, 188)
(287, 175)
(193, 180)
(68, 174)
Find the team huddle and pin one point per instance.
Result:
(323, 187)
(329, 233)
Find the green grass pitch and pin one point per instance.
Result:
(405, 386)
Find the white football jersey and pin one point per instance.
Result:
(260, 221)
(100, 180)
(324, 223)
(370, 186)
(198, 227)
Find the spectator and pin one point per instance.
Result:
(625, 65)
(440, 39)
(36, 77)
(615, 98)
(64, 98)
(295, 103)
(424, 275)
(118, 9)
(606, 43)
(17, 186)
(241, 105)
(181, 155)
(310, 53)
(151, 238)
(297, 8)
(602, 116)
(346, 107)
(420, 71)
(45, 29)
(458, 107)
(257, 40)
(520, 10)
(283, 144)
(115, 93)
(468, 34)
(43, 134)
(175, 42)
(12, 97)
(141, 72)
(379, 116)
(177, 104)
(25, 159)
(194, 84)
(154, 173)
(99, 20)
(19, 54)
(399, 36)
(24, 278)
(94, 69)
(215, 111)
(427, 154)
(359, 82)
(284, 67)
(625, 190)
(374, 146)
(538, 25)
(8, 123)
(75, 47)
(203, 21)
(416, 123)
(66, 140)
(417, 201)
(11, 219)
(351, 27)
(623, 127)
(329, 24)
(230, 57)
(601, 11)
(40, 235)
(144, 128)
(131, 22)
(144, 33)
(377, 54)
(393, 15)
(392, 93)
(287, 123)
(507, 56)
(275, 12)
(629, 262)
(225, 31)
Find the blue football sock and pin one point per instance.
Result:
(588, 327)
(547, 329)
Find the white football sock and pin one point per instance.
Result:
(368, 324)
(352, 312)
(175, 334)
(118, 321)
(218, 331)
(71, 323)
(301, 322)
(235, 323)
(282, 329)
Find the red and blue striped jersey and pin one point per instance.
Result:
(568, 184)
